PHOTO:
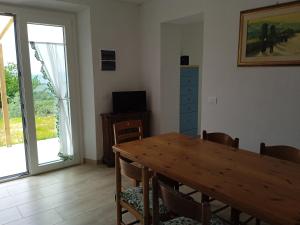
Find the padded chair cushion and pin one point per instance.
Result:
(134, 197)
(187, 221)
(181, 221)
(216, 221)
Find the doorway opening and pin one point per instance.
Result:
(181, 84)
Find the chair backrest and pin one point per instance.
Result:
(281, 152)
(221, 138)
(180, 205)
(128, 131)
(130, 170)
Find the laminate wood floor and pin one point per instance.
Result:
(81, 195)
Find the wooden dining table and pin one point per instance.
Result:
(261, 186)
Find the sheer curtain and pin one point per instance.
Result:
(52, 58)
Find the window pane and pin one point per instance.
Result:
(50, 93)
(45, 33)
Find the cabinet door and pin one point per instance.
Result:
(189, 78)
(189, 82)
(189, 121)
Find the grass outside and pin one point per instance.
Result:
(45, 129)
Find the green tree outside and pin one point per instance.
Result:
(45, 105)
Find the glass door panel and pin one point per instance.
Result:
(50, 93)
(13, 160)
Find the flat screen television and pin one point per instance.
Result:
(129, 101)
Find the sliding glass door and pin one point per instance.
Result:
(13, 160)
(39, 106)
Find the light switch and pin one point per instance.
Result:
(212, 100)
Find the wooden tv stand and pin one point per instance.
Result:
(108, 119)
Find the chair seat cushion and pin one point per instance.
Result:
(181, 221)
(134, 197)
(187, 221)
(216, 221)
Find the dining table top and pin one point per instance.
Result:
(261, 186)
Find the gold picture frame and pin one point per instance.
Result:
(270, 36)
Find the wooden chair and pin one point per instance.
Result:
(133, 130)
(221, 138)
(123, 132)
(134, 200)
(281, 152)
(184, 210)
(128, 131)
(224, 139)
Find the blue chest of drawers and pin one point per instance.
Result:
(189, 85)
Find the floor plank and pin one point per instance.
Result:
(81, 195)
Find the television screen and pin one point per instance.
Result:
(129, 101)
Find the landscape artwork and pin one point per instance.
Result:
(270, 36)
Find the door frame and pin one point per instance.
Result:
(68, 21)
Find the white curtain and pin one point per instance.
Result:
(52, 56)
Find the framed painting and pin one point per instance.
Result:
(270, 36)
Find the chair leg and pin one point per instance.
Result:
(145, 178)
(204, 198)
(155, 206)
(118, 188)
(136, 183)
(119, 214)
(235, 216)
(257, 221)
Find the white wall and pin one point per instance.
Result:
(170, 78)
(106, 25)
(255, 104)
(87, 84)
(191, 42)
(115, 26)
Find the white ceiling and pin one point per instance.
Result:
(43, 1)
(197, 18)
(50, 4)
(67, 5)
(135, 1)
